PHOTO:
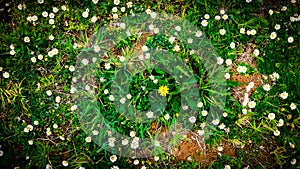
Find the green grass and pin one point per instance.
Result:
(24, 99)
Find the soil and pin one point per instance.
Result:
(239, 91)
(196, 149)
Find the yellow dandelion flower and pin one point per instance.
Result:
(163, 90)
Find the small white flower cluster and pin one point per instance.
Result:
(48, 131)
(85, 14)
(295, 18)
(249, 32)
(249, 86)
(154, 80)
(222, 13)
(135, 143)
(12, 50)
(153, 28)
(167, 116)
(53, 52)
(32, 19)
(247, 102)
(284, 95)
(241, 69)
(21, 6)
(28, 128)
(222, 31)
(274, 76)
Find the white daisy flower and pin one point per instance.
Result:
(65, 163)
(107, 66)
(6, 75)
(271, 116)
(122, 100)
(113, 158)
(129, 4)
(116, 2)
(198, 34)
(149, 114)
(95, 1)
(232, 45)
(227, 167)
(206, 16)
(124, 142)
(57, 99)
(267, 87)
(227, 75)
(55, 9)
(176, 48)
(276, 133)
(220, 60)
(222, 11)
(251, 104)
(215, 122)
(293, 161)
(256, 52)
(134, 144)
(63, 8)
(228, 62)
(132, 134)
(156, 143)
(26, 39)
(273, 35)
(111, 98)
(144, 48)
(204, 23)
(167, 116)
(253, 32)
(277, 27)
(222, 31)
(85, 14)
(55, 126)
(284, 95)
(114, 9)
(225, 17)
(51, 15)
(128, 96)
(51, 21)
(284, 8)
(271, 12)
(192, 119)
(201, 132)
(242, 30)
(290, 39)
(199, 104)
(115, 16)
(153, 15)
(72, 68)
(123, 9)
(280, 123)
(88, 139)
(204, 113)
(94, 19)
(148, 11)
(48, 92)
(293, 106)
